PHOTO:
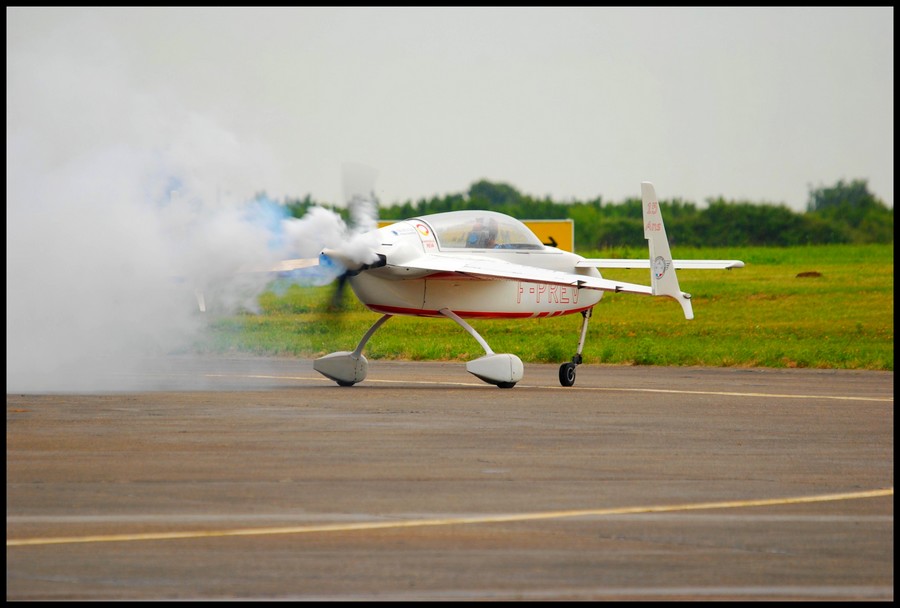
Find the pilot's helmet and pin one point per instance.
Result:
(492, 229)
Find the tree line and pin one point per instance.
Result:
(843, 213)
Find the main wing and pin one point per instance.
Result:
(282, 266)
(498, 269)
(645, 263)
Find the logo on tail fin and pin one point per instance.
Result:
(660, 266)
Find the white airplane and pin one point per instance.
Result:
(487, 265)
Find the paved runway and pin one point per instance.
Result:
(256, 478)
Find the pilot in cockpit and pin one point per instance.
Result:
(483, 235)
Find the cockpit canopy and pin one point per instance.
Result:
(480, 230)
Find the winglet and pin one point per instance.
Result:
(663, 280)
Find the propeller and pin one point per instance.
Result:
(358, 182)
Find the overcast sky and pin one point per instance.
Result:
(135, 136)
(749, 103)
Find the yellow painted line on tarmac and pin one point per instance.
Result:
(450, 521)
(575, 388)
(733, 394)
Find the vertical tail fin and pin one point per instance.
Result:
(663, 280)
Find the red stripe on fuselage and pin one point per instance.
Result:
(473, 314)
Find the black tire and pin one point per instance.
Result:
(567, 374)
(506, 384)
(344, 383)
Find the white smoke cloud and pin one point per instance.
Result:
(118, 209)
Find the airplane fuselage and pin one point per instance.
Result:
(402, 290)
(484, 264)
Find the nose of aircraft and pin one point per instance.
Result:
(347, 260)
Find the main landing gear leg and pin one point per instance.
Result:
(348, 368)
(567, 370)
(502, 370)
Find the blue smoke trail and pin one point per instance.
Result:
(269, 215)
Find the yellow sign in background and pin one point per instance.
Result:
(554, 233)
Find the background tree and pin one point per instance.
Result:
(843, 213)
(852, 205)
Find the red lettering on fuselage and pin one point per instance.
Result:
(542, 293)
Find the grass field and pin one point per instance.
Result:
(826, 307)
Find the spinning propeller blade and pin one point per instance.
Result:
(358, 183)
